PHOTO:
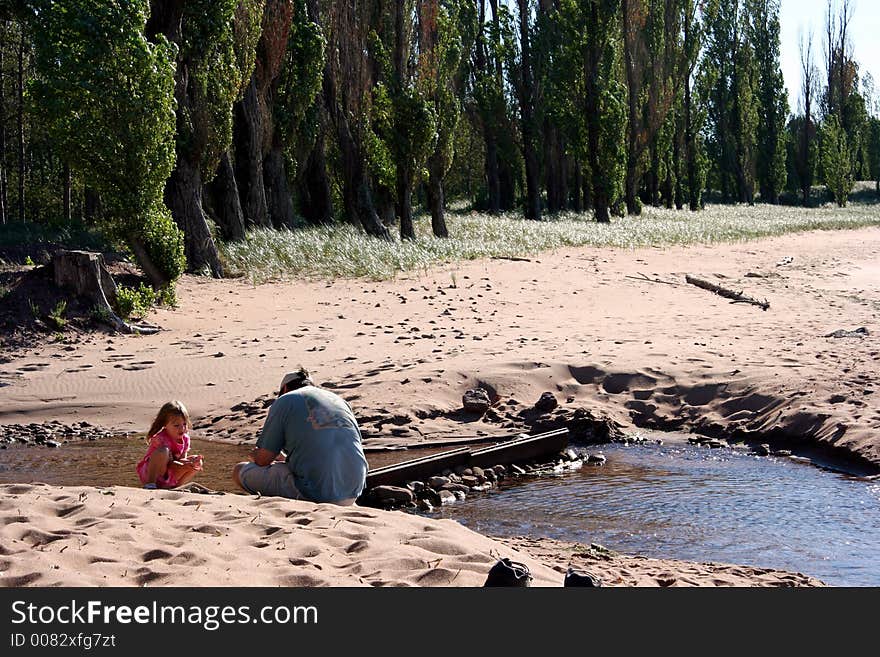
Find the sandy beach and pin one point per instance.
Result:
(618, 332)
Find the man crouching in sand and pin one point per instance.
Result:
(317, 431)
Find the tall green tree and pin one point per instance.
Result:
(107, 94)
(524, 83)
(447, 33)
(836, 160)
(728, 82)
(593, 34)
(763, 32)
(208, 80)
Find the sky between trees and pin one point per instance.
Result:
(802, 15)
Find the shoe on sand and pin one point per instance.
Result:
(581, 578)
(509, 573)
(150, 486)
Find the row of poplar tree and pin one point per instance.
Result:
(175, 122)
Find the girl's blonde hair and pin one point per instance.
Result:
(169, 410)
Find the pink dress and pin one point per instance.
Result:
(178, 451)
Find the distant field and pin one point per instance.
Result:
(345, 251)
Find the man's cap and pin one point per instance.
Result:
(296, 376)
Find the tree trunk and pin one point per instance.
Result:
(551, 174)
(493, 176)
(404, 204)
(507, 181)
(91, 204)
(631, 182)
(493, 182)
(157, 279)
(65, 176)
(222, 196)
(676, 162)
(578, 188)
(654, 176)
(183, 196)
(527, 111)
(316, 183)
(277, 190)
(86, 274)
(690, 148)
(248, 131)
(437, 203)
(4, 206)
(21, 128)
(593, 120)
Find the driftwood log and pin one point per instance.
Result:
(86, 274)
(737, 297)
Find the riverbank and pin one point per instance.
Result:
(595, 327)
(120, 536)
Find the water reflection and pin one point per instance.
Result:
(697, 504)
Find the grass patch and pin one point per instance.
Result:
(343, 251)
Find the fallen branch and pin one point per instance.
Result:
(737, 297)
(642, 277)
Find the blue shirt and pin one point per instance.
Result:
(319, 433)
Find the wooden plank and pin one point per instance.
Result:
(417, 469)
(511, 451)
(521, 449)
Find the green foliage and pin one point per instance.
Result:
(28, 261)
(100, 314)
(874, 147)
(214, 80)
(836, 160)
(413, 128)
(456, 32)
(56, 316)
(107, 95)
(163, 241)
(298, 86)
(726, 84)
(246, 29)
(763, 32)
(134, 303)
(591, 33)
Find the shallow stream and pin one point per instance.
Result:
(671, 501)
(680, 501)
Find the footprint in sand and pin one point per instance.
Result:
(187, 559)
(155, 554)
(102, 560)
(33, 367)
(146, 576)
(301, 580)
(211, 530)
(21, 580)
(143, 365)
(118, 357)
(73, 509)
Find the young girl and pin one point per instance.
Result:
(167, 463)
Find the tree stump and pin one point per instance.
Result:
(86, 274)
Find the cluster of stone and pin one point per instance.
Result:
(49, 434)
(450, 486)
(704, 441)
